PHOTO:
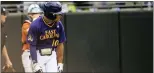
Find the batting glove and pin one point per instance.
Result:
(37, 67)
(60, 67)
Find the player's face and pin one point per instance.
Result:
(58, 17)
(3, 18)
(49, 21)
(30, 16)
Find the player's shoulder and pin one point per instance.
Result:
(38, 19)
(26, 23)
(36, 22)
(60, 24)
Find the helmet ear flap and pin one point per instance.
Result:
(54, 16)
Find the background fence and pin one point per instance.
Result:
(82, 6)
(109, 42)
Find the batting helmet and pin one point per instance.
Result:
(34, 8)
(51, 9)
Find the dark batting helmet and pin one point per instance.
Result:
(51, 9)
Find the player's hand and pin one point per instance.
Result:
(39, 71)
(37, 68)
(60, 67)
(8, 64)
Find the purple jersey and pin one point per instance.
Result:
(44, 36)
(40, 35)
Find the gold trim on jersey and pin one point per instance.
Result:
(47, 23)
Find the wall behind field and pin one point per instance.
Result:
(113, 42)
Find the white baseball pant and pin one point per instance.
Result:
(48, 63)
(26, 61)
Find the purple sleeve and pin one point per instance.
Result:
(62, 37)
(32, 40)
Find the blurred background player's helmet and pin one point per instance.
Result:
(34, 8)
(51, 9)
(3, 11)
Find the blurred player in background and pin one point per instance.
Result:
(8, 63)
(34, 11)
(46, 37)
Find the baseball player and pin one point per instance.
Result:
(34, 11)
(3, 39)
(46, 37)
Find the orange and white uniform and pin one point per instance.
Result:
(25, 29)
(34, 11)
(27, 63)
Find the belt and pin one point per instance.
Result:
(40, 51)
(37, 49)
(53, 49)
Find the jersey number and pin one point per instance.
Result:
(55, 43)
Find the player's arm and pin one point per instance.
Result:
(60, 53)
(32, 40)
(6, 57)
(5, 54)
(60, 47)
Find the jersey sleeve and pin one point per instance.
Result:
(32, 35)
(32, 40)
(25, 28)
(62, 37)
